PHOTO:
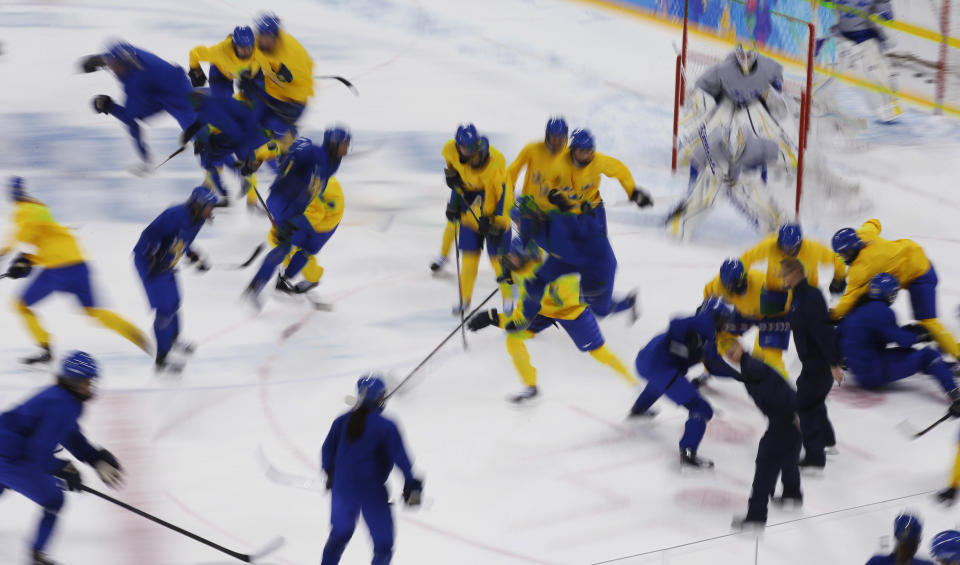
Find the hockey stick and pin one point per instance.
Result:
(172, 155)
(237, 266)
(442, 343)
(343, 81)
(270, 547)
(912, 433)
(702, 132)
(185, 138)
(456, 247)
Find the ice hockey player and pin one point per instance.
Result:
(816, 343)
(907, 532)
(64, 269)
(150, 85)
(733, 164)
(581, 178)
(30, 436)
(480, 203)
(779, 448)
(664, 361)
(945, 548)
(156, 254)
(871, 325)
(228, 134)
(745, 291)
(861, 44)
(358, 455)
(867, 255)
(790, 242)
(229, 58)
(323, 214)
(461, 147)
(745, 89)
(561, 305)
(287, 68)
(543, 161)
(306, 170)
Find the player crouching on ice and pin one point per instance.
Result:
(358, 455)
(560, 305)
(664, 362)
(30, 435)
(733, 163)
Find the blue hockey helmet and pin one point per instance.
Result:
(789, 239)
(371, 390)
(945, 546)
(18, 189)
(242, 36)
(466, 136)
(336, 134)
(202, 196)
(556, 127)
(884, 286)
(79, 365)
(267, 23)
(846, 241)
(582, 139)
(122, 52)
(715, 306)
(907, 528)
(733, 276)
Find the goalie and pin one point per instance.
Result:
(732, 163)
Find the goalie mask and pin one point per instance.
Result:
(746, 57)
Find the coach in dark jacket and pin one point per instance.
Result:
(816, 343)
(779, 447)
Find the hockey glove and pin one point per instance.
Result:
(412, 491)
(109, 469)
(513, 326)
(197, 78)
(92, 63)
(198, 262)
(19, 267)
(641, 198)
(838, 286)
(947, 495)
(102, 104)
(69, 476)
(328, 484)
(453, 178)
(922, 334)
(285, 232)
(483, 319)
(691, 349)
(453, 211)
(954, 410)
(284, 74)
(483, 226)
(557, 198)
(249, 166)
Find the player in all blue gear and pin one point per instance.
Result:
(155, 256)
(867, 330)
(231, 135)
(907, 531)
(779, 449)
(30, 435)
(150, 85)
(664, 362)
(358, 455)
(945, 547)
(305, 170)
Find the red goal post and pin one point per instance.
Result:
(692, 61)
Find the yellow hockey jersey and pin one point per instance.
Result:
(289, 52)
(224, 58)
(747, 304)
(326, 210)
(489, 183)
(544, 172)
(583, 183)
(561, 300)
(812, 254)
(54, 245)
(902, 258)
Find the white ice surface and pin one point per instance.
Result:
(566, 481)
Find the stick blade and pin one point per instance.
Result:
(907, 429)
(268, 548)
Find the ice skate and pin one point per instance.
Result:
(690, 460)
(524, 396)
(40, 358)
